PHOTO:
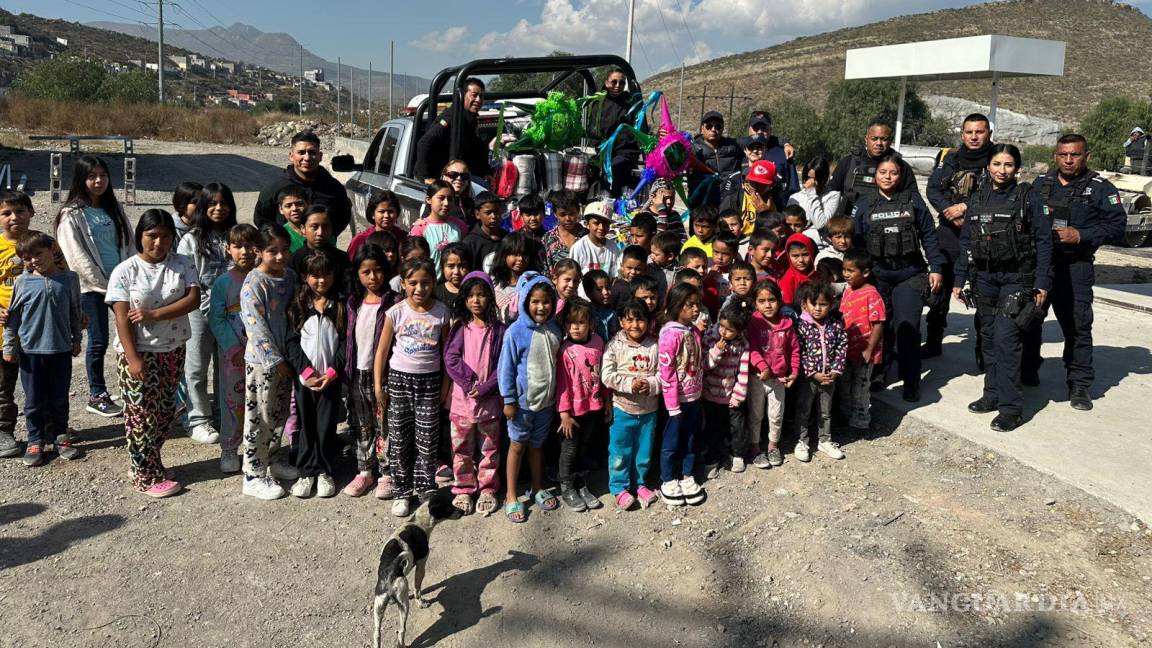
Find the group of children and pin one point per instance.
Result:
(451, 351)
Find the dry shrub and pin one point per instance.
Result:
(218, 125)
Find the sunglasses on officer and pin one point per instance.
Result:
(458, 175)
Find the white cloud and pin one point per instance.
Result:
(670, 31)
(447, 40)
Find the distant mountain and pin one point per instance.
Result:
(1106, 42)
(276, 51)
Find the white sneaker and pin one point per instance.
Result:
(264, 488)
(831, 448)
(802, 453)
(205, 433)
(737, 465)
(693, 494)
(284, 471)
(400, 507)
(670, 491)
(325, 486)
(229, 463)
(713, 471)
(303, 487)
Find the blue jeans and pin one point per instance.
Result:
(200, 351)
(677, 459)
(93, 306)
(629, 449)
(46, 378)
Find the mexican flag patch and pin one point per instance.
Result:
(1114, 199)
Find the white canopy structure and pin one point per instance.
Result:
(975, 57)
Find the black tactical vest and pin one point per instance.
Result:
(892, 233)
(1001, 236)
(1058, 201)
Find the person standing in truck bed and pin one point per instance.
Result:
(435, 147)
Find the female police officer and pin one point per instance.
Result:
(893, 225)
(1006, 254)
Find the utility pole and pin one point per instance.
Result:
(352, 96)
(391, 69)
(301, 80)
(628, 40)
(337, 89)
(680, 97)
(160, 60)
(731, 97)
(369, 95)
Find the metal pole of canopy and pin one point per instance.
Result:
(900, 113)
(995, 101)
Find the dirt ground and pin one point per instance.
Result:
(917, 538)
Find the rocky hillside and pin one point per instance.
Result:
(1105, 56)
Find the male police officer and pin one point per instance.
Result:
(1086, 213)
(949, 188)
(856, 172)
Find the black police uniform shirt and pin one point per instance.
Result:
(941, 195)
(855, 177)
(988, 204)
(871, 210)
(1093, 208)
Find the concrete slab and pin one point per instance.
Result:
(1106, 452)
(1131, 296)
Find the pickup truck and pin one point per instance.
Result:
(391, 156)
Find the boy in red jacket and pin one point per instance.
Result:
(801, 252)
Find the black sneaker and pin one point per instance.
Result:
(1080, 399)
(1006, 422)
(572, 499)
(68, 451)
(590, 500)
(8, 445)
(911, 395)
(34, 455)
(103, 405)
(982, 406)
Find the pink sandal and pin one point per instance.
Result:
(166, 488)
(647, 496)
(625, 500)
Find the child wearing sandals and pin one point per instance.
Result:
(470, 361)
(629, 370)
(527, 378)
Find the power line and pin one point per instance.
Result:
(680, 10)
(643, 51)
(106, 12)
(668, 32)
(131, 8)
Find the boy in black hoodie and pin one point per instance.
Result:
(483, 239)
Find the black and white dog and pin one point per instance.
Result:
(406, 552)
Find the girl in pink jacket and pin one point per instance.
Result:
(682, 379)
(775, 357)
(580, 396)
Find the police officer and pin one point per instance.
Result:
(949, 188)
(434, 148)
(1006, 250)
(855, 173)
(893, 224)
(1086, 213)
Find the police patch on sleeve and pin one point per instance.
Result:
(1114, 199)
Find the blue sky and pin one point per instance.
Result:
(445, 32)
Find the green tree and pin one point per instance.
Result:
(797, 121)
(1107, 126)
(61, 79)
(573, 86)
(852, 104)
(129, 87)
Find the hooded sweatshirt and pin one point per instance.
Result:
(681, 365)
(793, 278)
(625, 361)
(527, 368)
(324, 189)
(773, 346)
